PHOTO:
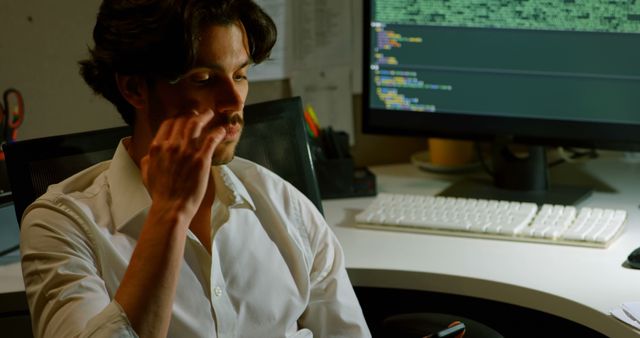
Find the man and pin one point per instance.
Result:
(174, 237)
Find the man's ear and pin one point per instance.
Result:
(134, 89)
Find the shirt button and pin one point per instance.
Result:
(217, 291)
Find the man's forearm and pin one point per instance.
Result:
(148, 288)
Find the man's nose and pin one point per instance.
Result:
(229, 97)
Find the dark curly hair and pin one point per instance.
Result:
(159, 39)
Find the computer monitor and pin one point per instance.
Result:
(539, 73)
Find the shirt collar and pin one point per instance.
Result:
(129, 196)
(229, 188)
(130, 199)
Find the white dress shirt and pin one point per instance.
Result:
(276, 268)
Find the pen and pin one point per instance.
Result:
(455, 330)
(313, 115)
(314, 132)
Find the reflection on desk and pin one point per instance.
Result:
(575, 283)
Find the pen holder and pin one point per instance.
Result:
(335, 169)
(335, 177)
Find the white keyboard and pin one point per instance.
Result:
(557, 224)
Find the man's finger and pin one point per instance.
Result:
(166, 127)
(212, 140)
(144, 169)
(196, 124)
(179, 124)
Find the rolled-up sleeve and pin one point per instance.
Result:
(66, 296)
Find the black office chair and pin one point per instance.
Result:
(33, 165)
(274, 136)
(419, 325)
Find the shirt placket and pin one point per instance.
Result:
(225, 314)
(226, 317)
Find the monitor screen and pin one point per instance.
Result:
(563, 73)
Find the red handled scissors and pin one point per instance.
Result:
(11, 114)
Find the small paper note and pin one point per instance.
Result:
(622, 316)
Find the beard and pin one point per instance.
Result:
(224, 153)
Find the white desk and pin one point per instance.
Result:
(11, 277)
(10, 272)
(576, 283)
(14, 314)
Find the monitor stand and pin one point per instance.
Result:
(518, 177)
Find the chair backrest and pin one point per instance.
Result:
(274, 136)
(33, 165)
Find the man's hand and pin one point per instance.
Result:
(177, 169)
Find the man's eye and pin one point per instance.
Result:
(199, 77)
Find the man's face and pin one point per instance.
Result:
(217, 82)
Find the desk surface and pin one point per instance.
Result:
(577, 283)
(580, 284)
